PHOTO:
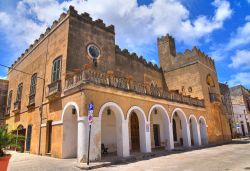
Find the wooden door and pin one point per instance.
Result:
(49, 136)
(135, 135)
(156, 129)
(28, 138)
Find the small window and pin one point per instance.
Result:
(93, 51)
(19, 92)
(56, 70)
(33, 84)
(9, 102)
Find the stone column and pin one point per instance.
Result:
(82, 140)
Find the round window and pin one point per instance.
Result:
(93, 51)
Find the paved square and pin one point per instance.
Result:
(231, 157)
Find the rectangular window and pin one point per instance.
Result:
(33, 84)
(19, 92)
(56, 70)
(9, 102)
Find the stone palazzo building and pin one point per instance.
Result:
(3, 97)
(138, 106)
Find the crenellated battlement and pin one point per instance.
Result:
(134, 56)
(86, 18)
(196, 54)
(71, 12)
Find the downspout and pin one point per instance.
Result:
(41, 106)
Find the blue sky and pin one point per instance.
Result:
(220, 28)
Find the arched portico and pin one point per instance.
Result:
(203, 130)
(180, 126)
(114, 130)
(194, 131)
(70, 141)
(139, 134)
(160, 128)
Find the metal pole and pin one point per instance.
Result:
(89, 144)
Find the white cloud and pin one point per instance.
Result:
(241, 38)
(241, 60)
(3, 77)
(135, 25)
(240, 78)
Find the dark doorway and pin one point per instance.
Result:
(135, 135)
(21, 131)
(248, 127)
(174, 130)
(28, 138)
(49, 136)
(156, 128)
(243, 129)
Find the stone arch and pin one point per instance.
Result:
(194, 130)
(164, 122)
(184, 126)
(111, 108)
(69, 120)
(144, 134)
(203, 130)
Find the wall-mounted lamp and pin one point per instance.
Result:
(155, 111)
(73, 111)
(108, 111)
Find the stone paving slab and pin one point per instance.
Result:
(230, 157)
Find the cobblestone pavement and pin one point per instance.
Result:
(231, 157)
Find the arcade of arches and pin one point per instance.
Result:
(122, 134)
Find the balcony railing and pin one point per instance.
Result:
(214, 98)
(54, 90)
(17, 106)
(89, 76)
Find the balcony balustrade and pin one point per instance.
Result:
(94, 77)
(214, 98)
(54, 90)
(17, 107)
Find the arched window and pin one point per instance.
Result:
(56, 70)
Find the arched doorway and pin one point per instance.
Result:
(70, 130)
(21, 131)
(112, 130)
(194, 134)
(180, 128)
(139, 135)
(160, 127)
(203, 131)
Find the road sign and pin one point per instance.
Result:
(91, 106)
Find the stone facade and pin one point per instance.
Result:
(240, 98)
(137, 105)
(3, 98)
(227, 104)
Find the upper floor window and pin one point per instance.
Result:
(19, 92)
(93, 51)
(33, 84)
(56, 70)
(9, 102)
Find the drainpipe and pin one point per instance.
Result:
(41, 106)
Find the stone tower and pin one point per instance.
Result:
(166, 50)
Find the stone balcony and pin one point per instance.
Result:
(214, 98)
(125, 84)
(31, 101)
(54, 90)
(17, 107)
